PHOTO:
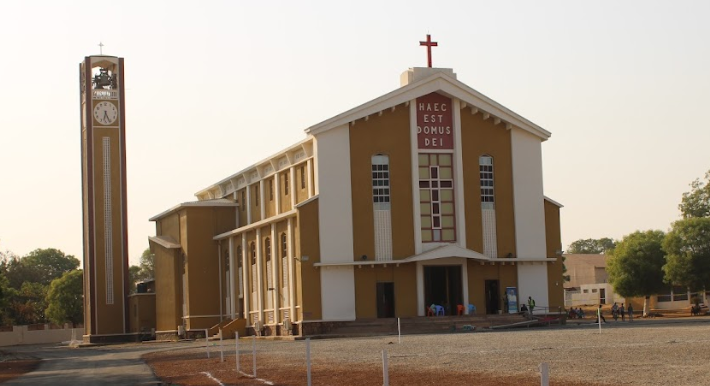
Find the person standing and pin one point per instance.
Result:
(531, 304)
(621, 311)
(599, 315)
(615, 311)
(631, 312)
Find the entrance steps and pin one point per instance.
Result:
(420, 325)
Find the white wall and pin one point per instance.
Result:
(335, 195)
(20, 335)
(532, 281)
(528, 195)
(338, 293)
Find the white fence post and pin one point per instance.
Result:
(399, 331)
(544, 374)
(308, 360)
(253, 354)
(221, 347)
(385, 370)
(207, 343)
(236, 348)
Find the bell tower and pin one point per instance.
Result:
(103, 177)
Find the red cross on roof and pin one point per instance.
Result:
(429, 44)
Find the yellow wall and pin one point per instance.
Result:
(301, 184)
(482, 137)
(308, 244)
(168, 287)
(554, 270)
(243, 204)
(389, 135)
(203, 262)
(507, 276)
(405, 289)
(141, 308)
(285, 199)
(254, 190)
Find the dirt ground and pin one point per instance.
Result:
(14, 365)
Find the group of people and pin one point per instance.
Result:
(617, 311)
(576, 314)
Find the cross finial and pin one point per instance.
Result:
(429, 44)
(101, 49)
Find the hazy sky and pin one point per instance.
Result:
(214, 86)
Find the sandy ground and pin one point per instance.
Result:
(639, 353)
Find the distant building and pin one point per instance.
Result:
(588, 283)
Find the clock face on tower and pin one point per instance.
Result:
(105, 113)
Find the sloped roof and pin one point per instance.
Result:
(221, 202)
(438, 82)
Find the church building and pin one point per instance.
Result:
(430, 194)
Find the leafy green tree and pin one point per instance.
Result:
(28, 304)
(145, 271)
(147, 264)
(65, 298)
(6, 293)
(688, 249)
(635, 266)
(696, 203)
(40, 266)
(592, 246)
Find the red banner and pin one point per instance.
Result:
(435, 129)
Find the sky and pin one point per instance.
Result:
(214, 86)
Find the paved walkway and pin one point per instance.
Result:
(101, 365)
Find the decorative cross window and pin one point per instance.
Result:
(436, 198)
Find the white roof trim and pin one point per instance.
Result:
(553, 202)
(436, 82)
(442, 252)
(165, 242)
(221, 202)
(260, 223)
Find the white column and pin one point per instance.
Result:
(309, 168)
(291, 284)
(274, 273)
(259, 274)
(233, 272)
(459, 197)
(414, 146)
(277, 193)
(219, 265)
(245, 277)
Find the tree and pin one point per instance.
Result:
(688, 249)
(40, 266)
(65, 298)
(696, 203)
(636, 265)
(592, 246)
(145, 271)
(6, 293)
(147, 264)
(28, 304)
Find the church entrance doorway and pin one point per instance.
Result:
(492, 297)
(385, 300)
(443, 286)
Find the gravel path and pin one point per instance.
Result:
(641, 353)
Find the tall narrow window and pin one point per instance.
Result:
(488, 209)
(271, 190)
(436, 198)
(303, 177)
(381, 201)
(252, 248)
(284, 270)
(256, 194)
(286, 184)
(486, 173)
(269, 274)
(243, 200)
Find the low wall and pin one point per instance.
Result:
(21, 335)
